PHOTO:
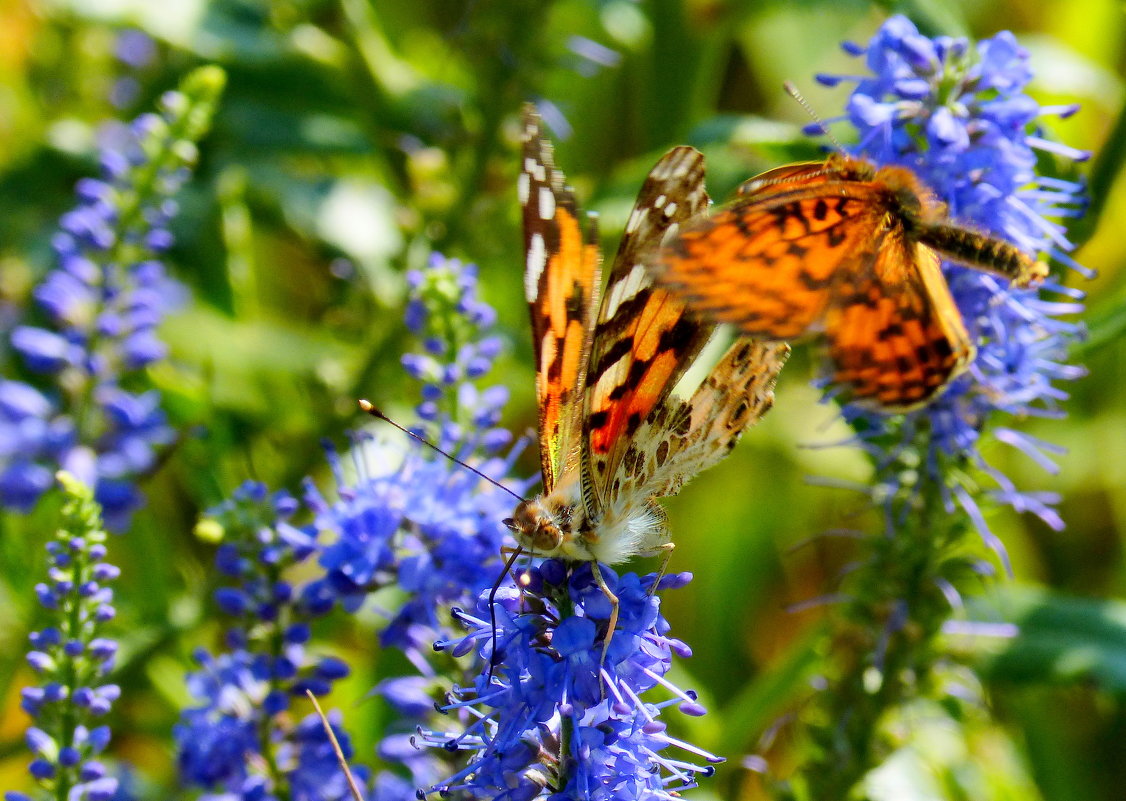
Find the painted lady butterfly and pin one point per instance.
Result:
(852, 250)
(612, 437)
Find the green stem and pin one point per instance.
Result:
(68, 722)
(897, 613)
(278, 778)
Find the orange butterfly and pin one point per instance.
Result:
(851, 250)
(614, 436)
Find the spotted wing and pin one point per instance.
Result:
(561, 280)
(768, 264)
(645, 338)
(895, 336)
(826, 247)
(683, 438)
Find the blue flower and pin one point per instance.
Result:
(957, 115)
(70, 657)
(102, 305)
(410, 518)
(243, 721)
(549, 718)
(220, 742)
(401, 518)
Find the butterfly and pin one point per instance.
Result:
(612, 436)
(849, 250)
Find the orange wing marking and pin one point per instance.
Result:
(851, 250)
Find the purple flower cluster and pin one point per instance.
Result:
(101, 307)
(72, 660)
(398, 516)
(410, 518)
(404, 517)
(222, 747)
(551, 719)
(957, 114)
(427, 527)
(246, 691)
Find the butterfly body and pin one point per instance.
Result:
(558, 524)
(613, 437)
(851, 251)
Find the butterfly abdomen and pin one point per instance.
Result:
(996, 255)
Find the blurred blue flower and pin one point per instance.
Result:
(71, 659)
(402, 518)
(243, 722)
(408, 517)
(221, 748)
(548, 720)
(101, 307)
(956, 113)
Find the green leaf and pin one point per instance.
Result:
(1107, 323)
(1103, 172)
(1062, 639)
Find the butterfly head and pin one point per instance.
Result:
(535, 527)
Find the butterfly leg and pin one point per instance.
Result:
(612, 625)
(513, 554)
(666, 557)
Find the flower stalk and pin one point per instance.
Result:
(72, 657)
(102, 305)
(956, 113)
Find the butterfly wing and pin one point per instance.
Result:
(645, 338)
(895, 336)
(768, 264)
(684, 438)
(561, 281)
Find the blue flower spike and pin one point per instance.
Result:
(242, 739)
(957, 114)
(103, 303)
(395, 517)
(552, 719)
(71, 657)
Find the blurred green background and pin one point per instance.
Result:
(355, 138)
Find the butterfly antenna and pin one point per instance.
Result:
(793, 92)
(374, 411)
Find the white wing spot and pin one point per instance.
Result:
(660, 201)
(626, 289)
(523, 187)
(635, 219)
(547, 204)
(670, 209)
(611, 377)
(670, 234)
(536, 261)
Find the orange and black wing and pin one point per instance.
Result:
(645, 337)
(683, 438)
(562, 274)
(895, 336)
(820, 248)
(769, 263)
